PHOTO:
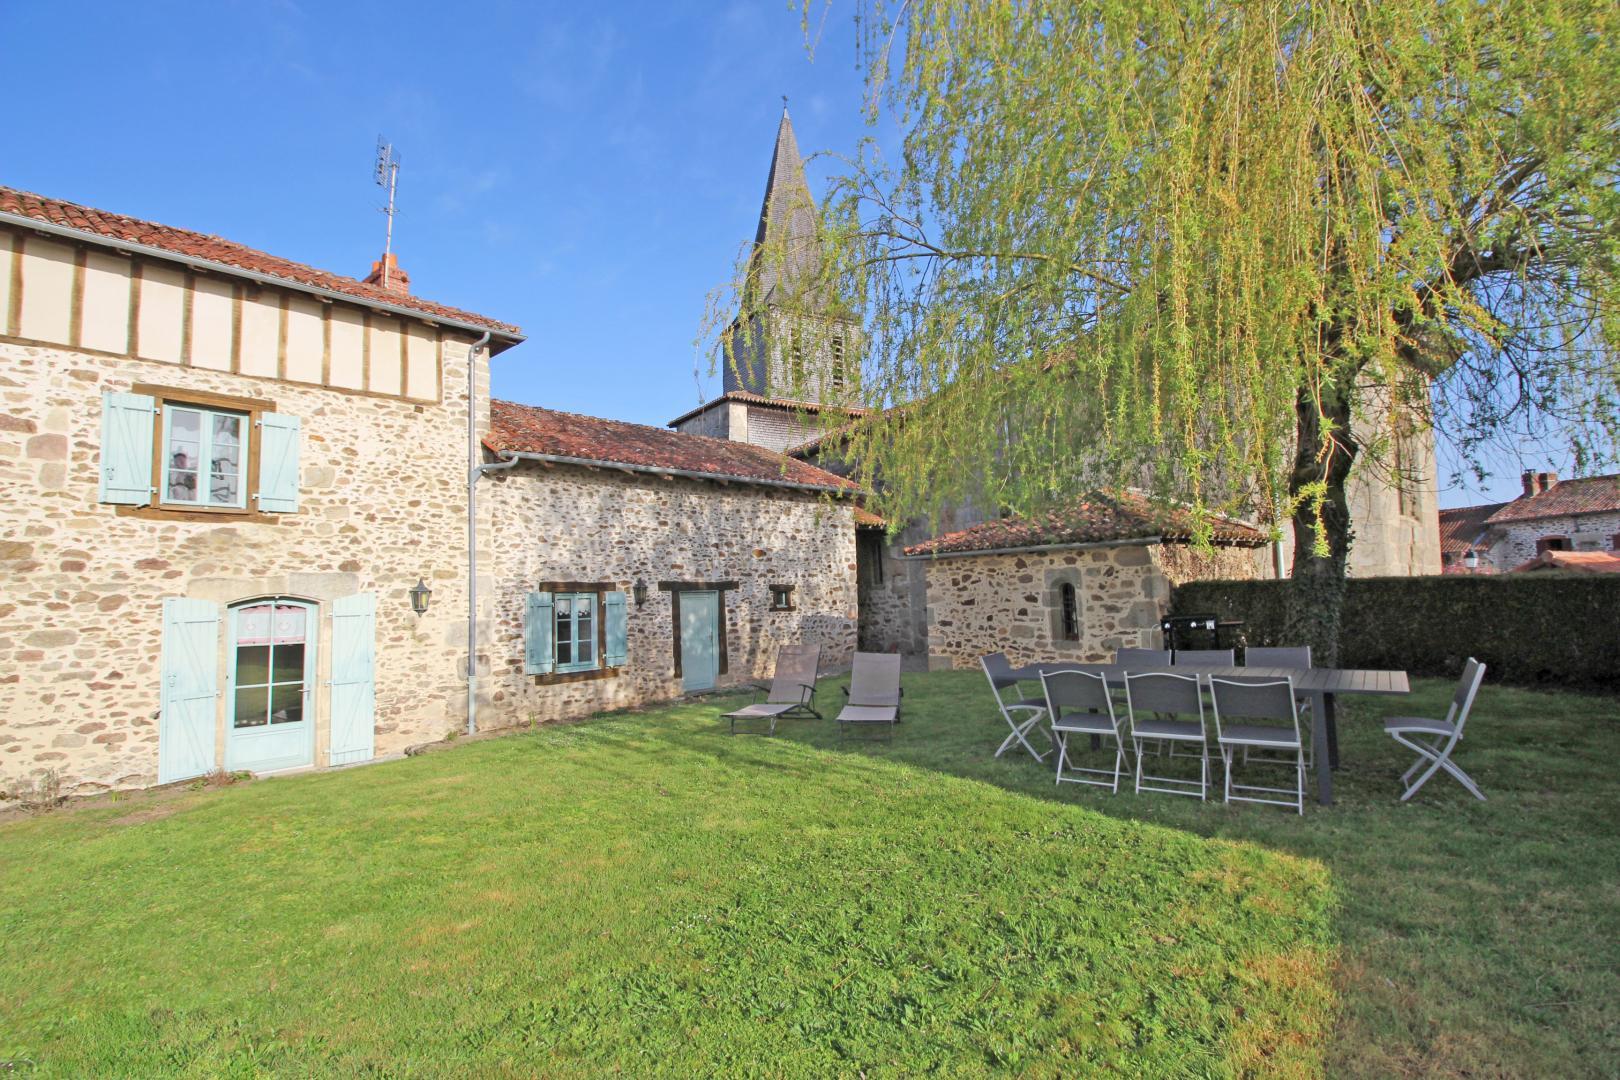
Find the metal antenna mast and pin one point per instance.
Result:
(387, 177)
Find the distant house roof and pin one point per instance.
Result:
(570, 438)
(1095, 519)
(1589, 495)
(1462, 528)
(29, 210)
(865, 519)
(1586, 562)
(752, 398)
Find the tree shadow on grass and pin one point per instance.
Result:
(1466, 928)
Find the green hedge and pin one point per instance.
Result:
(1529, 629)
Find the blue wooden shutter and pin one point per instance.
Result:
(278, 463)
(354, 678)
(618, 630)
(190, 673)
(538, 652)
(126, 448)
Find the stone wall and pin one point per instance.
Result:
(576, 524)
(1514, 544)
(382, 502)
(1011, 603)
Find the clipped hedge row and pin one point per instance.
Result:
(1530, 629)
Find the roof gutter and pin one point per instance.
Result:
(1144, 541)
(659, 470)
(25, 222)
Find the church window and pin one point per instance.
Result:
(1071, 611)
(796, 362)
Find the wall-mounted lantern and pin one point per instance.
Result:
(639, 591)
(420, 594)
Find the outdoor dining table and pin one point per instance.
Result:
(1321, 684)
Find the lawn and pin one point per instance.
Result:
(643, 894)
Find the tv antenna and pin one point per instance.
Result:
(387, 177)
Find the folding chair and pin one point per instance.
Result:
(1415, 733)
(1205, 658)
(1255, 700)
(792, 691)
(874, 693)
(1168, 695)
(999, 672)
(1079, 704)
(1283, 656)
(1142, 658)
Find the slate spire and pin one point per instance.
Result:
(786, 256)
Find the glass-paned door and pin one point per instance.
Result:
(270, 725)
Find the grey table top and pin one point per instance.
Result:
(1306, 680)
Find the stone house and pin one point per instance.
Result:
(637, 564)
(1552, 515)
(1074, 585)
(223, 474)
(231, 480)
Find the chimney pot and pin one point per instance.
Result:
(397, 280)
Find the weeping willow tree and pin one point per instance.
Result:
(1223, 250)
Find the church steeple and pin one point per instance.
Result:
(786, 255)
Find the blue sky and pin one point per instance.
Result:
(587, 171)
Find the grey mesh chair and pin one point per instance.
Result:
(1435, 739)
(1169, 696)
(792, 691)
(1294, 656)
(1205, 658)
(1237, 703)
(874, 693)
(1021, 714)
(1283, 656)
(1140, 658)
(1079, 704)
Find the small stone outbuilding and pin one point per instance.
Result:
(1075, 585)
(635, 564)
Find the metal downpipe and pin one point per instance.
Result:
(474, 470)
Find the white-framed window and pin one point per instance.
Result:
(204, 456)
(575, 635)
(187, 452)
(272, 671)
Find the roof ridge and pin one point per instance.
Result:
(659, 429)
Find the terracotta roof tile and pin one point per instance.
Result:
(227, 253)
(1461, 527)
(1591, 495)
(1098, 518)
(531, 429)
(1586, 562)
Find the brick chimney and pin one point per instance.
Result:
(398, 280)
(1537, 482)
(1528, 479)
(1545, 481)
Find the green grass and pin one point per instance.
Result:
(644, 894)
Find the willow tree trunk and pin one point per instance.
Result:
(1317, 588)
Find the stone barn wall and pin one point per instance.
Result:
(980, 604)
(601, 526)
